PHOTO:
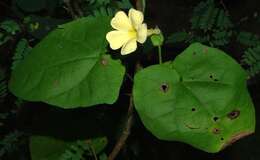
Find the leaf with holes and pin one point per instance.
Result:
(200, 98)
(69, 68)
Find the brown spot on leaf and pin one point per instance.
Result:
(216, 130)
(205, 50)
(191, 127)
(235, 138)
(164, 87)
(215, 118)
(234, 114)
(56, 83)
(104, 61)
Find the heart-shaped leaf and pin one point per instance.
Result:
(69, 68)
(200, 98)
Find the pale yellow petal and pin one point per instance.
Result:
(136, 17)
(121, 22)
(117, 39)
(142, 33)
(129, 47)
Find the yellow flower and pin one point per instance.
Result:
(128, 31)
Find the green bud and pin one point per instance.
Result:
(157, 39)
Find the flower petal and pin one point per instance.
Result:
(129, 47)
(121, 22)
(117, 39)
(142, 33)
(136, 17)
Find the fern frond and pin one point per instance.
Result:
(207, 16)
(75, 152)
(221, 38)
(10, 143)
(252, 59)
(22, 49)
(10, 26)
(248, 39)
(103, 11)
(124, 4)
(178, 37)
(223, 21)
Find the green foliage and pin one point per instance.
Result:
(206, 105)
(248, 39)
(251, 57)
(10, 143)
(102, 11)
(223, 20)
(213, 21)
(209, 25)
(221, 38)
(206, 16)
(90, 147)
(22, 49)
(8, 28)
(75, 151)
(178, 37)
(124, 4)
(47, 148)
(70, 67)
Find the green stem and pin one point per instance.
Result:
(160, 54)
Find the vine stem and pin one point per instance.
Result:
(126, 132)
(160, 54)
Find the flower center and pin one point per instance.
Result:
(132, 33)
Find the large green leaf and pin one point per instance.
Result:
(69, 68)
(200, 98)
(48, 148)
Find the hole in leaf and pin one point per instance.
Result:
(164, 87)
(215, 80)
(193, 109)
(222, 139)
(215, 119)
(210, 76)
(216, 130)
(181, 79)
(234, 114)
